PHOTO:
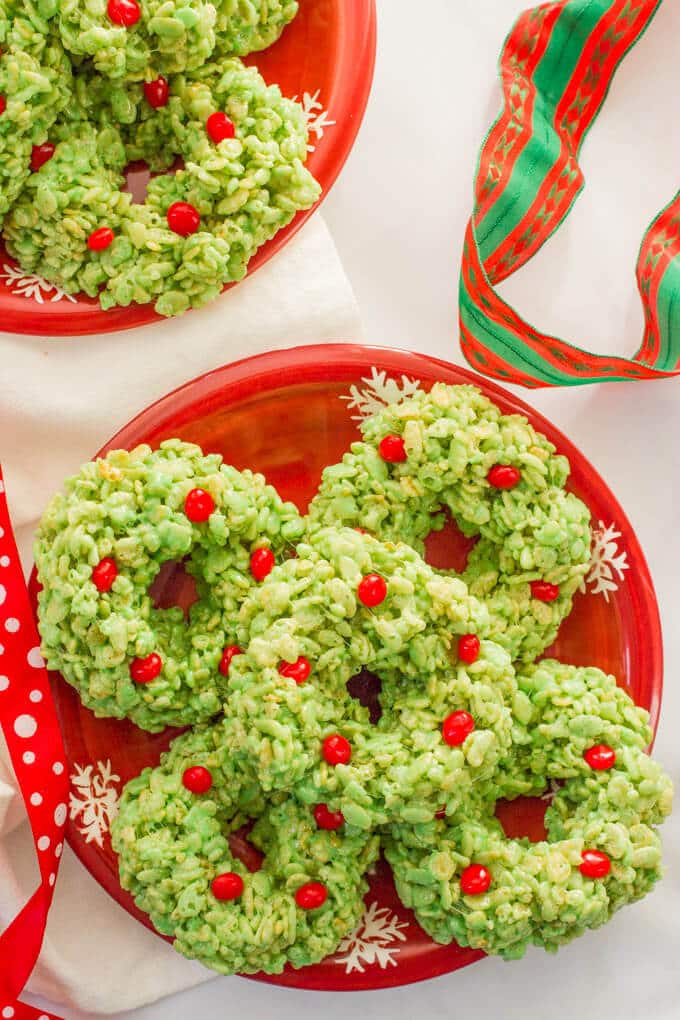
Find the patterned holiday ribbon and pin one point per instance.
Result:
(556, 68)
(29, 723)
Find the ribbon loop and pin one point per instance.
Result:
(556, 68)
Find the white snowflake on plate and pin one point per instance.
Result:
(608, 563)
(380, 391)
(95, 800)
(29, 285)
(372, 940)
(317, 117)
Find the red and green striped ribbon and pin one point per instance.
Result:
(556, 68)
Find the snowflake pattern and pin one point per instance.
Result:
(95, 800)
(317, 117)
(608, 563)
(31, 286)
(371, 941)
(380, 391)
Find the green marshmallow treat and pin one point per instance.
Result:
(573, 725)
(35, 86)
(441, 451)
(244, 189)
(101, 544)
(310, 611)
(164, 37)
(244, 26)
(174, 854)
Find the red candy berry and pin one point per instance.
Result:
(297, 671)
(124, 12)
(600, 757)
(261, 563)
(468, 648)
(326, 819)
(372, 590)
(475, 880)
(393, 449)
(311, 895)
(228, 886)
(544, 591)
(143, 671)
(220, 127)
(227, 655)
(337, 750)
(104, 574)
(100, 239)
(503, 476)
(198, 505)
(457, 727)
(183, 218)
(3, 104)
(197, 779)
(156, 92)
(41, 154)
(594, 864)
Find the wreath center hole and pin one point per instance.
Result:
(173, 586)
(448, 549)
(243, 850)
(137, 176)
(366, 687)
(523, 818)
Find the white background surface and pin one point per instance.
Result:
(398, 215)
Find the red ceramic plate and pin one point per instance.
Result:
(325, 58)
(287, 414)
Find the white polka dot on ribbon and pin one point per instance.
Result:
(35, 659)
(25, 726)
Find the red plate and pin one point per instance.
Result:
(287, 414)
(325, 58)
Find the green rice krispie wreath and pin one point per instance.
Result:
(467, 881)
(133, 40)
(452, 450)
(348, 602)
(35, 86)
(243, 147)
(101, 544)
(172, 837)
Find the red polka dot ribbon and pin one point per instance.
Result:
(29, 723)
(556, 68)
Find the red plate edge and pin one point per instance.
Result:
(348, 104)
(311, 360)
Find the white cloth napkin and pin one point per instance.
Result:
(60, 400)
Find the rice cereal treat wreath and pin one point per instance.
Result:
(452, 449)
(467, 881)
(243, 146)
(35, 86)
(172, 838)
(344, 603)
(138, 40)
(101, 543)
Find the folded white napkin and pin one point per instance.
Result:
(60, 400)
